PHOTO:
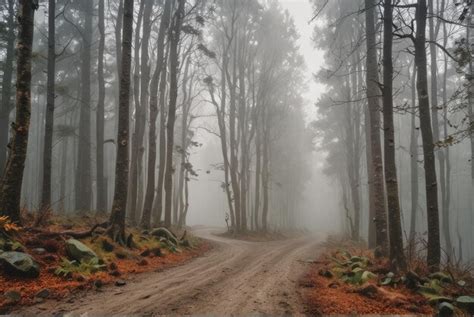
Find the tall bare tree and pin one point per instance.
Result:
(10, 187)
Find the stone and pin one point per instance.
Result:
(44, 293)
(39, 251)
(164, 233)
(120, 283)
(79, 251)
(98, 283)
(20, 264)
(12, 297)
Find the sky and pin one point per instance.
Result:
(302, 12)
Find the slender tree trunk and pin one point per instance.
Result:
(84, 168)
(117, 217)
(162, 158)
(138, 122)
(10, 187)
(373, 93)
(174, 63)
(49, 125)
(160, 64)
(258, 168)
(7, 105)
(413, 160)
(100, 121)
(265, 170)
(434, 252)
(394, 222)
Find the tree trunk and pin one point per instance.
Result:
(49, 124)
(373, 103)
(10, 187)
(84, 168)
(117, 217)
(100, 121)
(393, 201)
(7, 105)
(138, 123)
(174, 64)
(160, 64)
(434, 252)
(413, 161)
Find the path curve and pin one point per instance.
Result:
(236, 277)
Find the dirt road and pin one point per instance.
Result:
(236, 277)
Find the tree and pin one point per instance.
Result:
(7, 105)
(49, 124)
(160, 68)
(100, 122)
(83, 186)
(10, 187)
(117, 217)
(376, 155)
(431, 185)
(395, 228)
(175, 33)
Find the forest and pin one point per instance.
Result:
(183, 154)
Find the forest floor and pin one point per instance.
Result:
(235, 277)
(346, 279)
(62, 279)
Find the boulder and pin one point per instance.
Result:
(165, 233)
(20, 264)
(79, 251)
(12, 297)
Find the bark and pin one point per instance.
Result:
(433, 31)
(373, 93)
(7, 105)
(49, 124)
(431, 185)
(447, 155)
(265, 170)
(162, 158)
(10, 187)
(84, 166)
(150, 189)
(117, 217)
(137, 141)
(258, 168)
(413, 160)
(174, 64)
(393, 201)
(100, 121)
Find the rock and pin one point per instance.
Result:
(20, 264)
(412, 280)
(39, 251)
(115, 273)
(107, 246)
(81, 278)
(143, 262)
(156, 251)
(368, 291)
(325, 273)
(121, 255)
(146, 252)
(44, 293)
(165, 233)
(113, 266)
(120, 283)
(12, 297)
(49, 258)
(79, 251)
(334, 285)
(98, 283)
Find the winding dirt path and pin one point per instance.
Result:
(236, 277)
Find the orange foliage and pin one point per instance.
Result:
(60, 287)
